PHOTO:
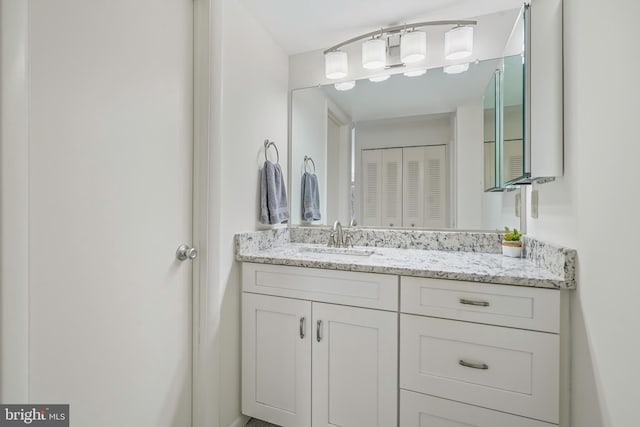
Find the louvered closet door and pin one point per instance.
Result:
(436, 187)
(392, 187)
(413, 187)
(371, 187)
(513, 165)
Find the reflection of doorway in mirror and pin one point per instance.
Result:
(405, 187)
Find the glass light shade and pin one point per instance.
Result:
(415, 73)
(374, 54)
(413, 47)
(335, 64)
(345, 85)
(458, 43)
(456, 68)
(378, 79)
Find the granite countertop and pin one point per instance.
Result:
(455, 265)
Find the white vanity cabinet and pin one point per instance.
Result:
(328, 348)
(308, 361)
(468, 351)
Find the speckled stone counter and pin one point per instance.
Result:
(544, 265)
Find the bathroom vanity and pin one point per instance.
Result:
(403, 336)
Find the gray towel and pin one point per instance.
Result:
(310, 197)
(273, 195)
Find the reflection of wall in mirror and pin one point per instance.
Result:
(497, 209)
(321, 131)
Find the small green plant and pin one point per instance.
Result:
(512, 236)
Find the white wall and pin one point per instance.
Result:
(469, 165)
(593, 208)
(14, 277)
(403, 132)
(253, 107)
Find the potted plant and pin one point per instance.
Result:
(511, 244)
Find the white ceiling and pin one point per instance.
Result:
(304, 25)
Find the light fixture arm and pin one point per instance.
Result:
(397, 28)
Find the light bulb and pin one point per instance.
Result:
(413, 47)
(458, 43)
(378, 79)
(374, 54)
(415, 73)
(336, 64)
(342, 86)
(456, 68)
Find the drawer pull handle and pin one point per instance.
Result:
(302, 327)
(473, 365)
(472, 302)
(319, 330)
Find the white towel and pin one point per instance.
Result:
(273, 195)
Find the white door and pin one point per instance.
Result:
(391, 187)
(110, 182)
(413, 187)
(371, 186)
(436, 187)
(276, 359)
(355, 371)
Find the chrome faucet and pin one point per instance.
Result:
(338, 235)
(338, 239)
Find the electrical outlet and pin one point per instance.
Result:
(534, 204)
(518, 203)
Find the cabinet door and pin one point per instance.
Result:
(436, 187)
(413, 187)
(505, 369)
(371, 187)
(391, 187)
(420, 410)
(276, 359)
(354, 367)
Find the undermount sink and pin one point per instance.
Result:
(338, 251)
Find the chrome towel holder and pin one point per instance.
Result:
(308, 159)
(268, 144)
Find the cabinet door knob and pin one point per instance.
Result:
(319, 330)
(302, 327)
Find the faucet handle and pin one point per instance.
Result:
(348, 240)
(332, 239)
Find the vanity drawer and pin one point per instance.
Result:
(368, 290)
(506, 369)
(420, 410)
(503, 305)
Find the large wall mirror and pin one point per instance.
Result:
(413, 151)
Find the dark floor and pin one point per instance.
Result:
(257, 423)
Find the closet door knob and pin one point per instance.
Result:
(184, 252)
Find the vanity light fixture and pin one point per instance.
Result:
(413, 46)
(380, 78)
(335, 64)
(458, 43)
(342, 86)
(415, 73)
(456, 68)
(374, 54)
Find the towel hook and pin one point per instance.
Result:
(268, 144)
(309, 159)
